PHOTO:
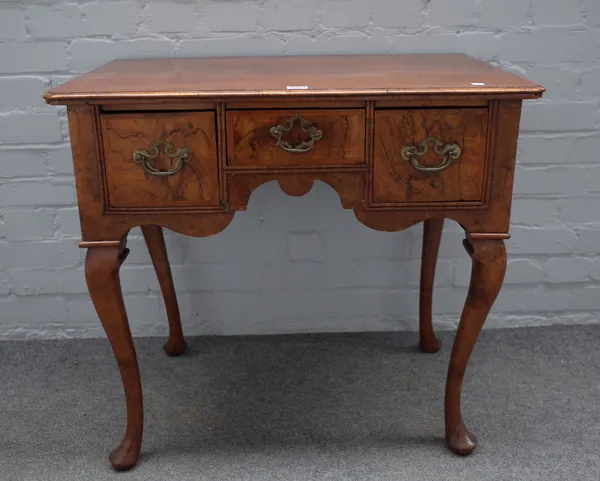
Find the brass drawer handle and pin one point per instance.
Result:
(144, 156)
(451, 152)
(304, 146)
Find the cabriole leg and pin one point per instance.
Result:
(155, 241)
(102, 266)
(432, 235)
(488, 268)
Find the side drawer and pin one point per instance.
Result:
(161, 159)
(295, 138)
(435, 155)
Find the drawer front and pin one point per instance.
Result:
(429, 155)
(295, 138)
(161, 160)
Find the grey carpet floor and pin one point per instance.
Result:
(306, 407)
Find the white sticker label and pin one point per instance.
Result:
(477, 84)
(297, 87)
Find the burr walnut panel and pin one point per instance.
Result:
(291, 138)
(175, 164)
(427, 155)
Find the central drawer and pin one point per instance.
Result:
(295, 138)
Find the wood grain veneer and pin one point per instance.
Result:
(220, 113)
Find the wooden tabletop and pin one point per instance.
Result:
(355, 75)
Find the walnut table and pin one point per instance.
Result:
(182, 143)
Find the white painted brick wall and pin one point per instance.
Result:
(300, 264)
(388, 14)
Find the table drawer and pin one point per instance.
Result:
(161, 159)
(295, 138)
(429, 155)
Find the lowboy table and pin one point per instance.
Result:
(182, 143)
